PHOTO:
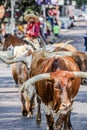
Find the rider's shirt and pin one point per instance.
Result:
(33, 30)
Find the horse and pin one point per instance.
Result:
(13, 40)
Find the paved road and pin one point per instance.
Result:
(10, 104)
(76, 34)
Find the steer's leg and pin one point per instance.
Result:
(50, 122)
(60, 122)
(64, 122)
(31, 106)
(49, 117)
(24, 110)
(67, 122)
(27, 105)
(38, 117)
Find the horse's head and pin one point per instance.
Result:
(7, 41)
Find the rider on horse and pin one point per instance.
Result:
(33, 28)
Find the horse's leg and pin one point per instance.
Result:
(38, 116)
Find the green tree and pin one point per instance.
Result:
(81, 2)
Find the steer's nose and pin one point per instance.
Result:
(65, 105)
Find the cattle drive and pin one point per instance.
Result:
(54, 76)
(43, 64)
(23, 75)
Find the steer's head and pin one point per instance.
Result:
(63, 84)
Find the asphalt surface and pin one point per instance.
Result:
(10, 104)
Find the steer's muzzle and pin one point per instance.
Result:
(66, 105)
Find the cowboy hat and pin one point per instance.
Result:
(28, 16)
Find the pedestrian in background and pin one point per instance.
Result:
(71, 13)
(19, 30)
(56, 29)
(50, 17)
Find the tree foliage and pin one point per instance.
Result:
(81, 2)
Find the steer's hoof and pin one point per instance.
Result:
(29, 115)
(24, 112)
(38, 121)
(50, 128)
(69, 128)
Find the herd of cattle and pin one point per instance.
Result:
(52, 74)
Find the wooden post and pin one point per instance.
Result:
(12, 16)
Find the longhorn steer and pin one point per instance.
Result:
(57, 95)
(41, 65)
(40, 60)
(53, 93)
(20, 73)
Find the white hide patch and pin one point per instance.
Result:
(21, 50)
(48, 110)
(28, 61)
(30, 91)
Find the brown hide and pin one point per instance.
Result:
(81, 59)
(14, 72)
(46, 89)
(20, 75)
(19, 72)
(12, 40)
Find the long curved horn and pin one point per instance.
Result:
(43, 45)
(66, 53)
(49, 76)
(34, 79)
(80, 74)
(26, 60)
(31, 43)
(11, 61)
(60, 53)
(65, 44)
(4, 53)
